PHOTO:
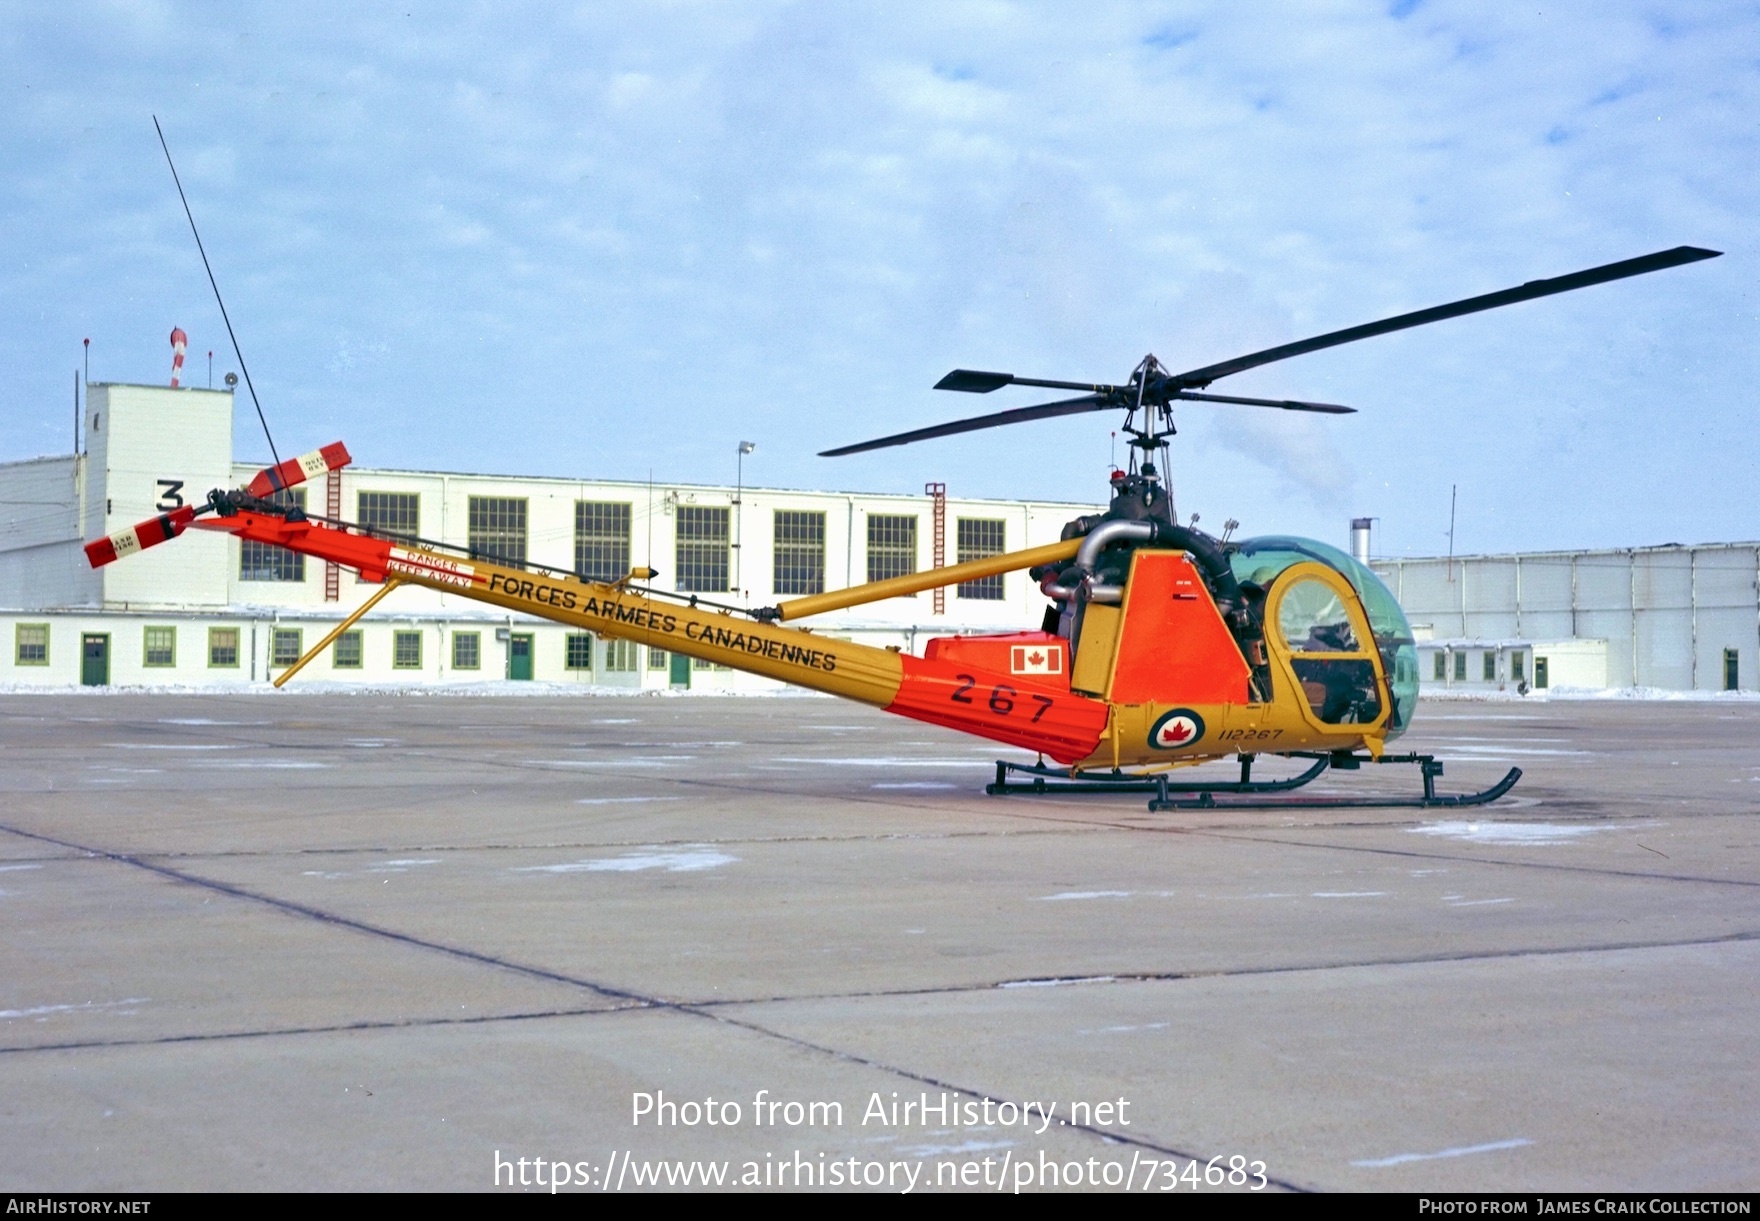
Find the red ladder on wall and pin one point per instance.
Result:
(938, 492)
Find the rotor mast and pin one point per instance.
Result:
(1149, 422)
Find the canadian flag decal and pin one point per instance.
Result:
(1175, 729)
(1037, 659)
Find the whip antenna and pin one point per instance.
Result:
(211, 284)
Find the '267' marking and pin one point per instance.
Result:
(1002, 697)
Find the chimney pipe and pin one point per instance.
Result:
(1360, 528)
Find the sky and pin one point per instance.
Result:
(604, 241)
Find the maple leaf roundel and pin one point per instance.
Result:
(1176, 729)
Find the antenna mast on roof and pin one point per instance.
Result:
(222, 304)
(1453, 488)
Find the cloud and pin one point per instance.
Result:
(597, 241)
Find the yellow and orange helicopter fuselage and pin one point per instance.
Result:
(1162, 649)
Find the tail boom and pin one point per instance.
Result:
(1001, 707)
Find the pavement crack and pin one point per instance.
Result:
(272, 1032)
(1127, 977)
(1414, 854)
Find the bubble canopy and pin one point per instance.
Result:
(1260, 560)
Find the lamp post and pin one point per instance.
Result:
(739, 487)
(81, 380)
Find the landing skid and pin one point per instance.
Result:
(1245, 793)
(1042, 779)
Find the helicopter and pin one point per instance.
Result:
(1161, 646)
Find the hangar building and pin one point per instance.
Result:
(210, 611)
(1679, 618)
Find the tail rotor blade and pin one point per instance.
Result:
(296, 471)
(149, 533)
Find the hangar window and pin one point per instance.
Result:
(1518, 667)
(223, 648)
(578, 652)
(266, 561)
(498, 529)
(601, 540)
(397, 514)
(284, 646)
(394, 513)
(1441, 665)
(702, 549)
(346, 653)
(31, 644)
(406, 650)
(1732, 670)
(467, 650)
(658, 660)
(159, 647)
(1490, 666)
(620, 656)
(892, 546)
(979, 539)
(1460, 667)
(799, 552)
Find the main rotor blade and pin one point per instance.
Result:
(1527, 292)
(1283, 404)
(1044, 411)
(975, 381)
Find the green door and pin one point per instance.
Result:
(519, 656)
(94, 661)
(681, 670)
